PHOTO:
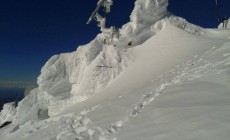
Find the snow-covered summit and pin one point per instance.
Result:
(74, 77)
(94, 91)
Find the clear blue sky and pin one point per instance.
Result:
(31, 31)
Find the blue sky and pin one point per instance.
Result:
(31, 31)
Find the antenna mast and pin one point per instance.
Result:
(217, 12)
(96, 16)
(110, 34)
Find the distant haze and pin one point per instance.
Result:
(12, 84)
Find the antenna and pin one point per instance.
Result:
(217, 12)
(99, 4)
(96, 16)
(111, 33)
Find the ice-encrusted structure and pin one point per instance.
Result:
(144, 14)
(74, 77)
(221, 26)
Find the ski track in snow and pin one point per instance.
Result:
(190, 70)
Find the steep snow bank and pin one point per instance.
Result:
(74, 77)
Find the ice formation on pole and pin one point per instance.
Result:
(221, 25)
(144, 14)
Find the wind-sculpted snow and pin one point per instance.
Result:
(178, 22)
(8, 113)
(74, 77)
(70, 78)
(148, 18)
(144, 14)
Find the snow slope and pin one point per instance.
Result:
(172, 83)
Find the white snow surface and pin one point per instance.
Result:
(172, 83)
(8, 113)
(144, 14)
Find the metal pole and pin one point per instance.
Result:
(217, 12)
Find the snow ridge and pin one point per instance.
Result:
(177, 22)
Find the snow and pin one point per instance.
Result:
(8, 113)
(144, 14)
(195, 105)
(172, 83)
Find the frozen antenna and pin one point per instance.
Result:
(217, 12)
(96, 16)
(110, 34)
